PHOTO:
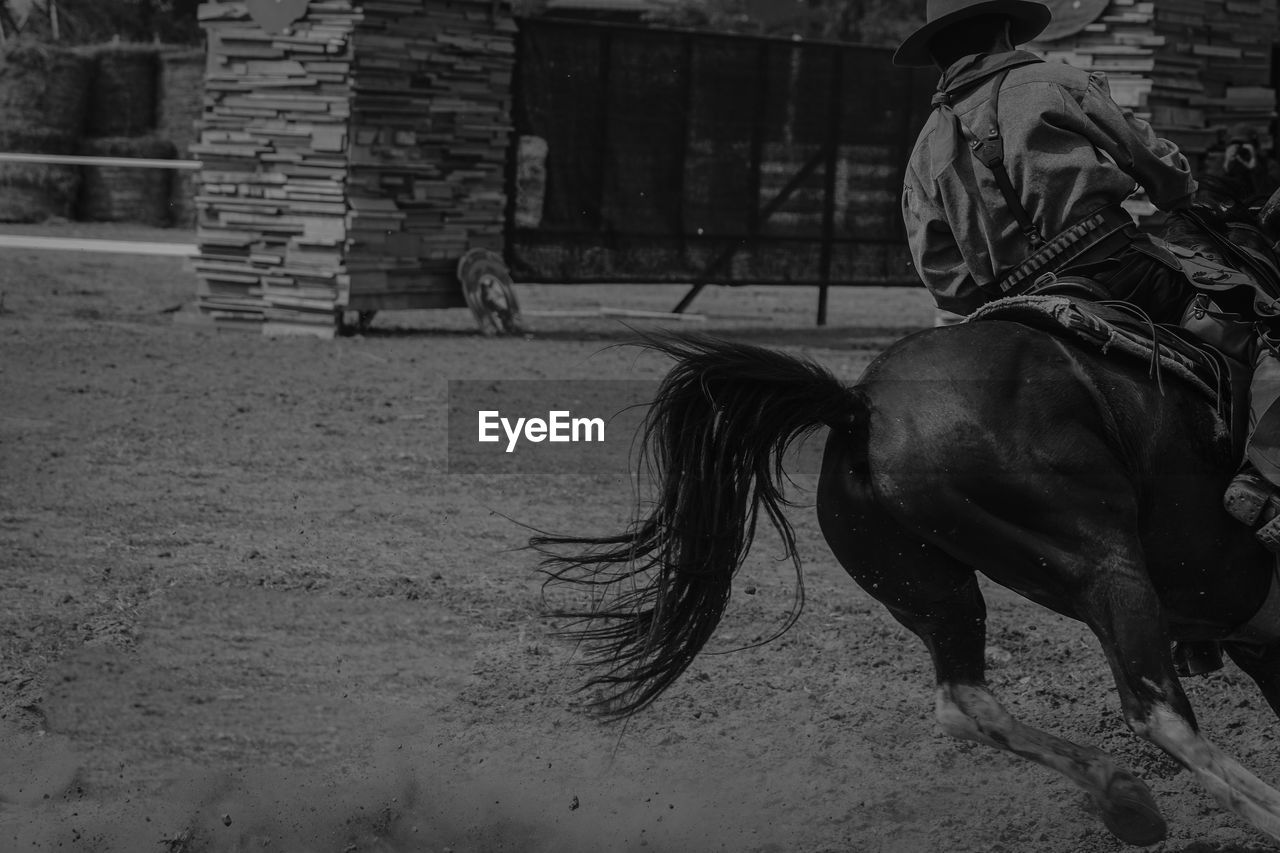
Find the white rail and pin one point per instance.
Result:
(85, 244)
(78, 160)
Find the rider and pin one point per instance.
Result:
(999, 193)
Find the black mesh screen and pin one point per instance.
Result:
(680, 156)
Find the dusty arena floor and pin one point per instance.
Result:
(244, 605)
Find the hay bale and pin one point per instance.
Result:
(43, 87)
(182, 200)
(180, 97)
(179, 111)
(34, 192)
(122, 93)
(122, 193)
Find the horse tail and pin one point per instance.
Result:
(714, 441)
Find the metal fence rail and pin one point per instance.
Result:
(88, 244)
(80, 160)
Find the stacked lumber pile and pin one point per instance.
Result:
(431, 126)
(272, 188)
(350, 162)
(1218, 72)
(1192, 67)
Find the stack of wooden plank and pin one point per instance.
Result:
(431, 118)
(351, 161)
(1122, 43)
(272, 214)
(1192, 67)
(1216, 70)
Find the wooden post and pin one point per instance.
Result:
(834, 113)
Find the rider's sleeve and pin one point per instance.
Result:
(935, 252)
(1153, 162)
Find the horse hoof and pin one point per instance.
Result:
(1130, 812)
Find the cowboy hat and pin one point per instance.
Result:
(1027, 20)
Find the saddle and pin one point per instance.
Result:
(1122, 331)
(1227, 258)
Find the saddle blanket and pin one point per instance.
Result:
(1116, 328)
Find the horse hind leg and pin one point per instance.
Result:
(1125, 803)
(1122, 608)
(938, 599)
(967, 709)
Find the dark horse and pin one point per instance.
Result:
(1066, 476)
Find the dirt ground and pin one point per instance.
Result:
(246, 606)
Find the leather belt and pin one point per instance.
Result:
(1089, 236)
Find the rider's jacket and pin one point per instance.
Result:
(1070, 152)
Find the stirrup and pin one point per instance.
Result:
(1269, 535)
(1251, 499)
(1248, 495)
